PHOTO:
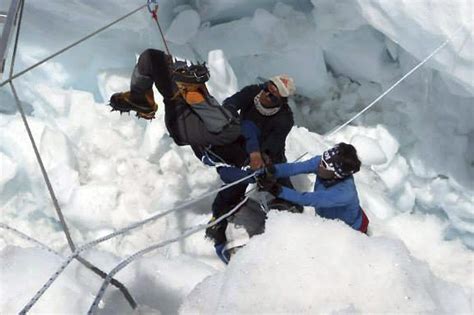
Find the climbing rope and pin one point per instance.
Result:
(65, 228)
(29, 239)
(15, 76)
(43, 171)
(395, 84)
(127, 261)
(77, 251)
(152, 6)
(123, 264)
(127, 229)
(62, 221)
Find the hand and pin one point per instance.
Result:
(269, 183)
(266, 172)
(256, 160)
(266, 159)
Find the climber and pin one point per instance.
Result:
(248, 221)
(266, 120)
(334, 195)
(192, 116)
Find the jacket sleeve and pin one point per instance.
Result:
(251, 134)
(289, 169)
(334, 197)
(274, 144)
(241, 99)
(230, 174)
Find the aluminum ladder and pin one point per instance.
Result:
(8, 22)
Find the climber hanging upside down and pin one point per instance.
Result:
(192, 116)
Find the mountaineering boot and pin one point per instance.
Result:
(222, 253)
(143, 104)
(140, 98)
(216, 232)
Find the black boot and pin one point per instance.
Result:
(143, 104)
(216, 232)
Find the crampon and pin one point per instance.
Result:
(145, 106)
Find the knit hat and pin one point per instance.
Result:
(342, 160)
(285, 84)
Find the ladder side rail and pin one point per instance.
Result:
(9, 22)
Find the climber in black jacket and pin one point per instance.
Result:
(266, 119)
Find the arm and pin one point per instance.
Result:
(251, 133)
(229, 174)
(290, 169)
(334, 197)
(274, 144)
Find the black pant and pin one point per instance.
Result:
(183, 124)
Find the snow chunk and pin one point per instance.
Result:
(412, 26)
(184, 27)
(56, 150)
(368, 150)
(8, 170)
(449, 260)
(359, 54)
(25, 270)
(92, 206)
(111, 81)
(171, 162)
(166, 288)
(223, 82)
(218, 10)
(395, 174)
(313, 276)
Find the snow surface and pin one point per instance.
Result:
(108, 171)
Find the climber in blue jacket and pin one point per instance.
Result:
(334, 195)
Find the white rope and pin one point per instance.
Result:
(395, 84)
(12, 76)
(77, 251)
(127, 229)
(127, 261)
(29, 239)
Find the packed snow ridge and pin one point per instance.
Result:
(109, 171)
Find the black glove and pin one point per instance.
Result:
(267, 172)
(267, 160)
(269, 183)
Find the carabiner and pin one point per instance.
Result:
(149, 3)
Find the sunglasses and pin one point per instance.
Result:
(331, 168)
(326, 165)
(276, 100)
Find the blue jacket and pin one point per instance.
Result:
(339, 201)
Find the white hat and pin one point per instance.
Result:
(285, 84)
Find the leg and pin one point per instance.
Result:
(233, 153)
(186, 127)
(224, 201)
(152, 67)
